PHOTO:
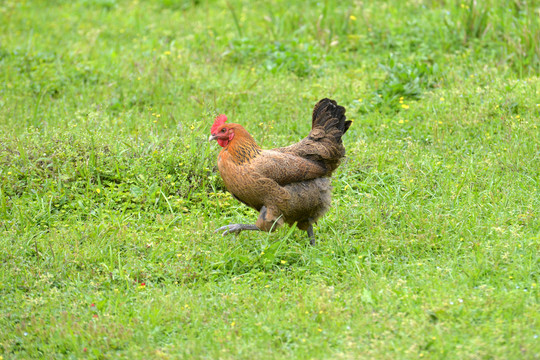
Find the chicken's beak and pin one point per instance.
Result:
(212, 137)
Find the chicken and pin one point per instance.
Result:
(286, 185)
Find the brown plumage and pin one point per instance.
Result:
(286, 185)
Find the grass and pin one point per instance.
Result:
(109, 191)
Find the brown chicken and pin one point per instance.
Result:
(289, 184)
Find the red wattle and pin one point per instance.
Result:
(222, 142)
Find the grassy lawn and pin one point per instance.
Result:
(109, 192)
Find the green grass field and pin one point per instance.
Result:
(110, 193)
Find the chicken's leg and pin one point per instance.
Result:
(311, 235)
(267, 221)
(236, 228)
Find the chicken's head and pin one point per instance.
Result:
(221, 132)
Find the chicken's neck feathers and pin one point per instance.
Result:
(241, 149)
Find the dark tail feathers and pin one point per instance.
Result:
(330, 116)
(323, 145)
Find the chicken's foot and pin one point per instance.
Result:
(236, 228)
(311, 235)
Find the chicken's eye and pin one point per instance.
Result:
(223, 130)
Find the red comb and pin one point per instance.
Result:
(220, 120)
